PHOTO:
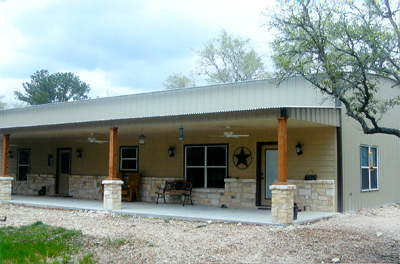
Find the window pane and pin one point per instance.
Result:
(22, 171)
(375, 156)
(364, 156)
(216, 156)
(65, 166)
(128, 153)
(374, 179)
(215, 178)
(23, 157)
(128, 165)
(195, 156)
(196, 176)
(365, 179)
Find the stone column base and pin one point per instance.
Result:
(112, 194)
(282, 203)
(5, 188)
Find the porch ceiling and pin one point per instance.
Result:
(210, 124)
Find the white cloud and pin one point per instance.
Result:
(7, 88)
(118, 47)
(101, 87)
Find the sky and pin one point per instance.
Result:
(118, 47)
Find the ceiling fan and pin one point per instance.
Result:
(92, 139)
(229, 134)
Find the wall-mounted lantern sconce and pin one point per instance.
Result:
(141, 139)
(10, 154)
(171, 152)
(50, 160)
(181, 133)
(298, 149)
(79, 153)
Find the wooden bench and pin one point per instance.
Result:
(178, 187)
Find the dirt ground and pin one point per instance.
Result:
(365, 236)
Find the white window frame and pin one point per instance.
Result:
(121, 159)
(205, 166)
(368, 167)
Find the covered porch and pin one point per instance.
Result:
(170, 211)
(73, 148)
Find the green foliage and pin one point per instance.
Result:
(227, 59)
(47, 88)
(176, 80)
(223, 59)
(38, 243)
(339, 47)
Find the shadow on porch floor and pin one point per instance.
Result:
(176, 211)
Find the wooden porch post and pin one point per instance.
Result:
(112, 165)
(6, 149)
(282, 150)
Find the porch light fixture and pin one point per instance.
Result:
(181, 133)
(298, 149)
(141, 139)
(10, 154)
(171, 152)
(79, 153)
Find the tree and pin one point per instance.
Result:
(342, 49)
(225, 59)
(47, 88)
(178, 80)
(3, 104)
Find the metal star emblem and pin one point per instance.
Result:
(242, 154)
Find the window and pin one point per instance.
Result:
(128, 159)
(369, 168)
(24, 162)
(206, 166)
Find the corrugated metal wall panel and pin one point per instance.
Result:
(209, 99)
(388, 151)
(322, 116)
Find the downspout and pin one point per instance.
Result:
(339, 166)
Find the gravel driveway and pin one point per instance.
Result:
(365, 236)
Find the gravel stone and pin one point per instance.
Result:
(114, 238)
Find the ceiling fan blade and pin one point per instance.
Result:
(100, 141)
(238, 136)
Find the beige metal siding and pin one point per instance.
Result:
(388, 154)
(317, 115)
(295, 92)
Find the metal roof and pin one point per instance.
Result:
(245, 96)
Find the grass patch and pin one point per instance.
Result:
(40, 243)
(116, 243)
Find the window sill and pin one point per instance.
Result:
(370, 190)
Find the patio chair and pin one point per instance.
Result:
(132, 187)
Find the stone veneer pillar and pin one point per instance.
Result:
(112, 194)
(5, 188)
(282, 203)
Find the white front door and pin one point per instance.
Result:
(269, 170)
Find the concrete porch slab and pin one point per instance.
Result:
(175, 211)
